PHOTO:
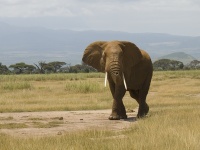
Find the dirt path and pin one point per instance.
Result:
(60, 122)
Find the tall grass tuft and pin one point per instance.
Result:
(16, 86)
(43, 77)
(83, 87)
(163, 75)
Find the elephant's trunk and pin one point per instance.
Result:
(116, 72)
(114, 68)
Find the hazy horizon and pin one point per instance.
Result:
(22, 42)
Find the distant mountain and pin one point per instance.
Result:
(33, 44)
(180, 56)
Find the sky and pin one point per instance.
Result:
(177, 17)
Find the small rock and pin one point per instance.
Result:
(60, 118)
(59, 133)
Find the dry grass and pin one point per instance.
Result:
(66, 92)
(70, 93)
(173, 121)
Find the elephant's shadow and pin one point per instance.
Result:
(130, 119)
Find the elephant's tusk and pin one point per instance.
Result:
(106, 76)
(124, 82)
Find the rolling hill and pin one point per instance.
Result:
(180, 56)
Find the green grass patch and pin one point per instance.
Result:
(44, 77)
(50, 124)
(17, 86)
(36, 119)
(163, 75)
(13, 125)
(6, 118)
(84, 87)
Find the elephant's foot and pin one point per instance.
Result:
(118, 113)
(141, 115)
(117, 117)
(114, 117)
(143, 110)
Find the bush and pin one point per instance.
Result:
(195, 64)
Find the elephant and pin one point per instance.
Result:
(127, 68)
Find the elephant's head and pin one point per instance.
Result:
(115, 58)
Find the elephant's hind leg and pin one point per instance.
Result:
(143, 108)
(140, 97)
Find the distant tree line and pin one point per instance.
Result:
(167, 64)
(44, 68)
(61, 67)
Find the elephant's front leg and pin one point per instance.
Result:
(118, 109)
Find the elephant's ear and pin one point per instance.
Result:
(132, 54)
(92, 55)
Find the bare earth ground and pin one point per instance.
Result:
(61, 122)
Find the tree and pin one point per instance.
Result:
(4, 69)
(167, 64)
(40, 67)
(81, 68)
(195, 64)
(20, 68)
(51, 67)
(73, 69)
(54, 66)
(87, 68)
(65, 69)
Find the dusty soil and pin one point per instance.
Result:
(61, 122)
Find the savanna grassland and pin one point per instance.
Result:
(173, 122)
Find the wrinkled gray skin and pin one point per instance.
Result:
(122, 59)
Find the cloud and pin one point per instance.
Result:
(70, 8)
(125, 15)
(34, 8)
